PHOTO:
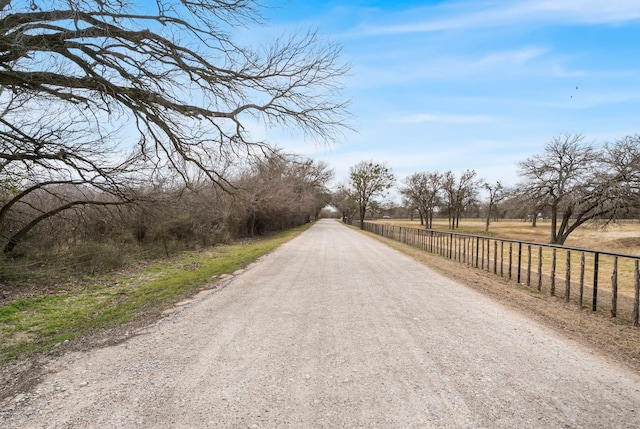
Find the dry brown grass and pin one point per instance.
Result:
(615, 339)
(623, 237)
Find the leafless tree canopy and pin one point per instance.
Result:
(578, 182)
(423, 191)
(459, 194)
(92, 93)
(497, 193)
(173, 70)
(280, 191)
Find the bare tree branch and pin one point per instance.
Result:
(81, 81)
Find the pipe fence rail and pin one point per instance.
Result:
(603, 281)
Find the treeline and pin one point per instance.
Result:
(571, 182)
(272, 193)
(118, 134)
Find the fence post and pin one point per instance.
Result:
(510, 259)
(519, 260)
(471, 251)
(539, 268)
(528, 265)
(482, 262)
(614, 288)
(582, 264)
(489, 255)
(464, 250)
(567, 279)
(594, 303)
(552, 290)
(502, 259)
(495, 257)
(636, 301)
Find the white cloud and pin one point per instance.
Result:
(477, 14)
(526, 60)
(581, 11)
(443, 119)
(517, 57)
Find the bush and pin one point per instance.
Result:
(91, 258)
(7, 271)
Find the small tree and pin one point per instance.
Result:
(369, 180)
(459, 194)
(422, 192)
(343, 199)
(496, 195)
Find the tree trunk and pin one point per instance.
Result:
(486, 225)
(554, 224)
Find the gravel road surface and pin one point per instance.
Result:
(335, 330)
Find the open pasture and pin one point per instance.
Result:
(620, 237)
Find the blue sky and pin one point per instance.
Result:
(458, 84)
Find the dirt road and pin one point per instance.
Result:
(335, 330)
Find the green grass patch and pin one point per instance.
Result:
(39, 323)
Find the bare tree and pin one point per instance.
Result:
(575, 182)
(496, 195)
(422, 190)
(344, 200)
(280, 191)
(623, 159)
(459, 194)
(48, 166)
(91, 90)
(368, 180)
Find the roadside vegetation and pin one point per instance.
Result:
(127, 144)
(79, 306)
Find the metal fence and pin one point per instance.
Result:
(603, 281)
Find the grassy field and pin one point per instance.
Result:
(37, 323)
(623, 237)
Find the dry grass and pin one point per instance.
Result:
(623, 237)
(617, 341)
